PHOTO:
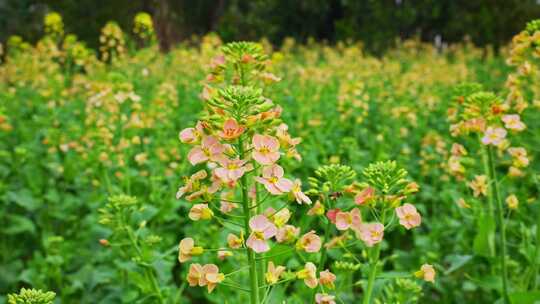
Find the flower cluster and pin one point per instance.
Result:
(31, 296)
(367, 209)
(112, 43)
(492, 120)
(143, 28)
(237, 147)
(54, 26)
(524, 55)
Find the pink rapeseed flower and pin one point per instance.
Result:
(365, 196)
(309, 275)
(192, 135)
(273, 180)
(274, 273)
(332, 214)
(261, 230)
(187, 249)
(426, 272)
(371, 233)
(309, 242)
(513, 122)
(494, 136)
(209, 150)
(232, 170)
(200, 212)
(287, 234)
(326, 278)
(323, 298)
(408, 216)
(191, 183)
(231, 130)
(265, 149)
(346, 220)
(298, 194)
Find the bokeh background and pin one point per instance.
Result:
(375, 22)
(361, 81)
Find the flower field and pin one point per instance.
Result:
(245, 173)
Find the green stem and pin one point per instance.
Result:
(322, 259)
(491, 209)
(148, 271)
(502, 225)
(260, 264)
(254, 285)
(534, 270)
(374, 261)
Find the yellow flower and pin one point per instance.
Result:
(512, 202)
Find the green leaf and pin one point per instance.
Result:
(394, 275)
(485, 238)
(525, 297)
(457, 261)
(18, 224)
(24, 199)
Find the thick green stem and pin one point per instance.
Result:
(500, 214)
(322, 259)
(261, 267)
(491, 209)
(375, 253)
(254, 284)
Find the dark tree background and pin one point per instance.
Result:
(376, 22)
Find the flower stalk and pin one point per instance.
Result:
(374, 253)
(494, 186)
(253, 280)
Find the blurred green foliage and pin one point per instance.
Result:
(377, 23)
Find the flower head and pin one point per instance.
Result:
(191, 183)
(513, 122)
(512, 201)
(209, 150)
(265, 149)
(346, 220)
(299, 196)
(332, 215)
(371, 233)
(365, 196)
(195, 275)
(287, 234)
(479, 185)
(519, 156)
(326, 278)
(223, 254)
(231, 130)
(232, 170)
(323, 298)
(211, 277)
(234, 241)
(408, 216)
(192, 135)
(494, 136)
(200, 212)
(227, 206)
(187, 249)
(309, 275)
(273, 180)
(281, 217)
(274, 273)
(426, 272)
(317, 209)
(309, 242)
(261, 230)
